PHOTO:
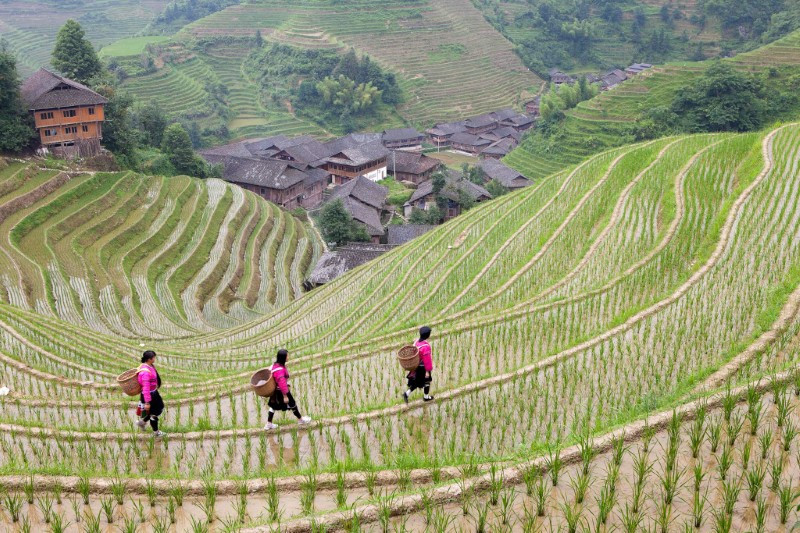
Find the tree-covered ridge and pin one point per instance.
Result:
(605, 33)
(344, 92)
(178, 13)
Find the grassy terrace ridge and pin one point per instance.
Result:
(604, 121)
(581, 311)
(94, 248)
(404, 36)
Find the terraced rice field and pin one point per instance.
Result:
(571, 319)
(403, 36)
(182, 88)
(604, 121)
(143, 257)
(30, 27)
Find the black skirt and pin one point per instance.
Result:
(417, 379)
(277, 404)
(156, 404)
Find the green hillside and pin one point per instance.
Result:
(596, 300)
(144, 256)
(450, 62)
(30, 27)
(608, 119)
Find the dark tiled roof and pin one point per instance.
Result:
(311, 153)
(505, 114)
(400, 234)
(364, 190)
(454, 183)
(360, 155)
(411, 163)
(481, 121)
(258, 172)
(500, 148)
(237, 149)
(448, 128)
(335, 263)
(469, 139)
(401, 134)
(47, 90)
(352, 140)
(315, 175)
(503, 174)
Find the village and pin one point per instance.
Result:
(305, 173)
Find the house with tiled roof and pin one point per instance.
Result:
(365, 200)
(503, 174)
(68, 116)
(335, 263)
(469, 143)
(403, 139)
(455, 185)
(398, 234)
(440, 134)
(411, 166)
(368, 160)
(275, 181)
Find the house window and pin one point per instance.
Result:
(263, 190)
(91, 111)
(46, 115)
(71, 129)
(85, 128)
(69, 113)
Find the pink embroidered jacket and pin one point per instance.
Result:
(425, 354)
(281, 376)
(148, 379)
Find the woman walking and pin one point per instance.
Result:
(150, 381)
(421, 377)
(282, 399)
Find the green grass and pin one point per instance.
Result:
(131, 46)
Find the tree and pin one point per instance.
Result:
(119, 135)
(259, 40)
(496, 189)
(15, 129)
(74, 56)
(151, 121)
(337, 226)
(723, 99)
(178, 147)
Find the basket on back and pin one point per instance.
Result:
(129, 382)
(408, 357)
(263, 383)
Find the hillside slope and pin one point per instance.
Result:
(30, 27)
(643, 278)
(144, 256)
(450, 61)
(605, 121)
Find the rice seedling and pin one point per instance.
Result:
(580, 484)
(783, 406)
(631, 520)
(129, 524)
(118, 489)
(735, 424)
(28, 489)
(765, 442)
(761, 513)
(775, 470)
(697, 435)
(481, 517)
(161, 524)
(725, 461)
(495, 484)
(699, 502)
(107, 506)
(198, 526)
(273, 499)
(605, 502)
(171, 508)
(178, 491)
(91, 522)
(541, 492)
(308, 493)
(572, 515)
(787, 495)
(730, 494)
(714, 433)
(554, 463)
(151, 492)
(46, 507)
(789, 433)
(13, 504)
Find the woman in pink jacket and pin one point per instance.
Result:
(421, 377)
(152, 404)
(282, 399)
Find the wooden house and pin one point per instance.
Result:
(503, 174)
(412, 167)
(560, 78)
(368, 160)
(68, 116)
(440, 134)
(403, 139)
(366, 203)
(456, 185)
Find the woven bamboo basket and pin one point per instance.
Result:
(129, 383)
(408, 356)
(263, 383)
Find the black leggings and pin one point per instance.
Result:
(419, 381)
(276, 404)
(156, 408)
